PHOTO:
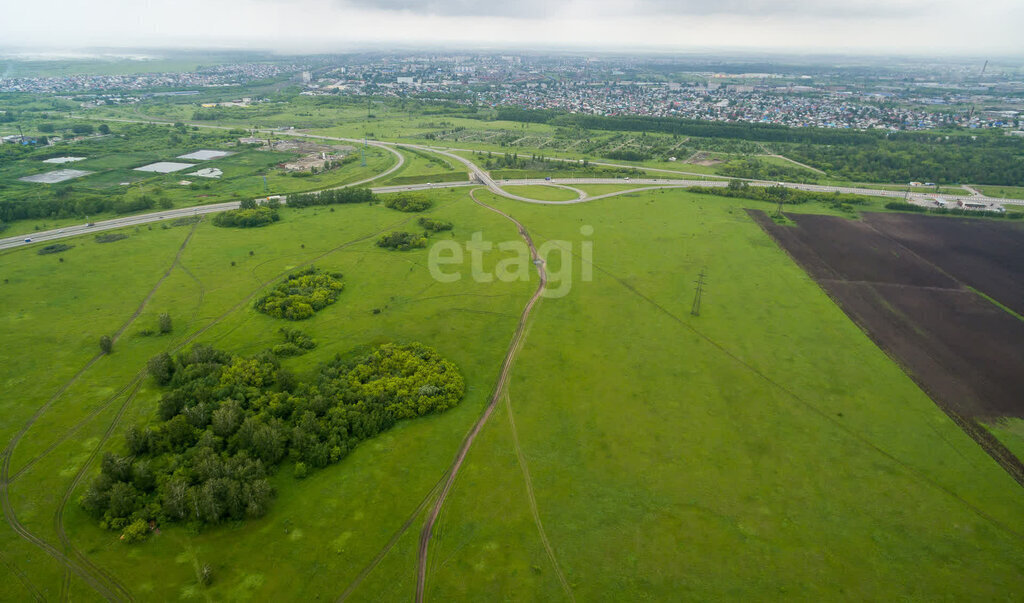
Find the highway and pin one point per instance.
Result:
(479, 177)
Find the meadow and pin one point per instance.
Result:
(209, 300)
(764, 446)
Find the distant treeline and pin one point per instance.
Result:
(332, 197)
(952, 211)
(691, 127)
(777, 194)
(947, 162)
(873, 155)
(63, 205)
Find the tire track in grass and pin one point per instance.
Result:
(499, 388)
(117, 334)
(5, 476)
(391, 542)
(58, 516)
(84, 571)
(22, 577)
(533, 500)
(65, 586)
(69, 433)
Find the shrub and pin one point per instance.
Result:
(110, 237)
(408, 203)
(55, 248)
(901, 206)
(106, 344)
(166, 326)
(137, 531)
(402, 241)
(205, 576)
(434, 225)
(161, 368)
(296, 343)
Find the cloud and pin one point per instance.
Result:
(526, 9)
(531, 9)
(850, 26)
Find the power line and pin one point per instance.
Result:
(695, 309)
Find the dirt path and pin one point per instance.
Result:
(499, 388)
(533, 501)
(794, 162)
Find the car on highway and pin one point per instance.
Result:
(28, 240)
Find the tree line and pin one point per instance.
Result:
(780, 194)
(856, 155)
(334, 196)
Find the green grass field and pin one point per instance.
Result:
(762, 449)
(543, 192)
(1008, 192)
(211, 303)
(765, 446)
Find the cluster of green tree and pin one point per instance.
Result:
(953, 211)
(434, 225)
(402, 241)
(301, 294)
(247, 217)
(506, 162)
(958, 160)
(755, 169)
(227, 421)
(533, 162)
(408, 203)
(295, 343)
(332, 197)
(77, 128)
(776, 194)
(54, 248)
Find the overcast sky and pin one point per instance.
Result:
(971, 27)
